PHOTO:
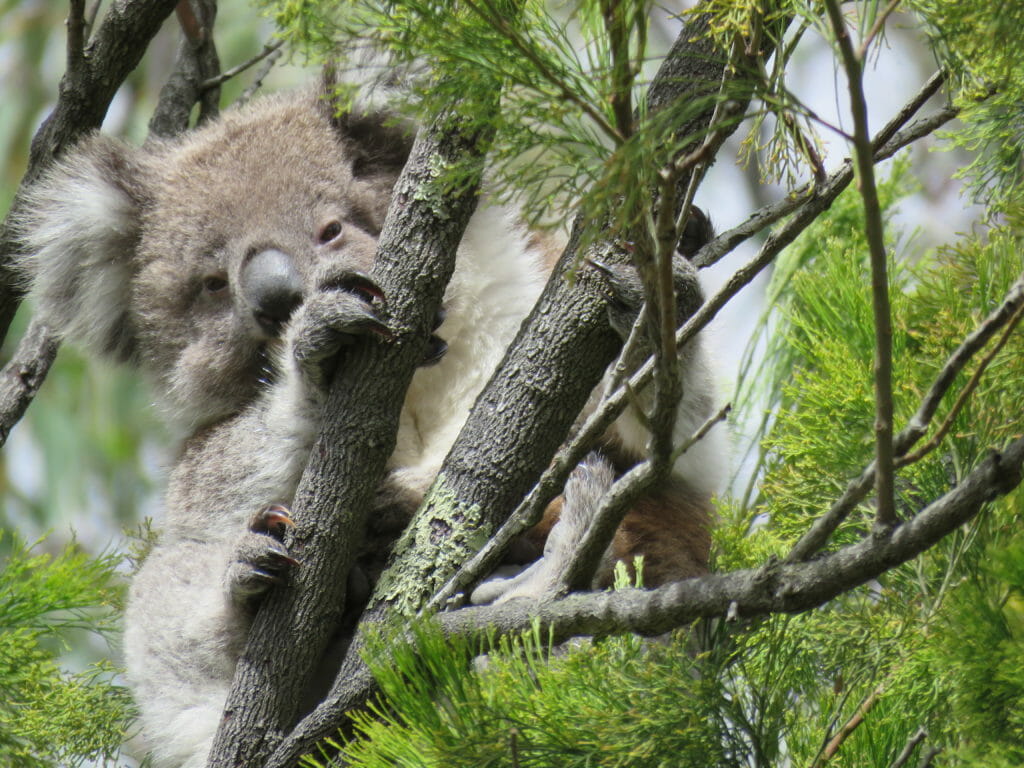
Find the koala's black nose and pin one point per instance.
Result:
(272, 287)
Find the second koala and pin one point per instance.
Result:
(229, 266)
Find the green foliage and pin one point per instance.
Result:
(973, 39)
(571, 125)
(575, 707)
(49, 716)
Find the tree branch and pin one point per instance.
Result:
(195, 63)
(874, 231)
(415, 258)
(21, 378)
(819, 533)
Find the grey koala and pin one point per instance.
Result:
(230, 266)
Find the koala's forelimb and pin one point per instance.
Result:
(415, 258)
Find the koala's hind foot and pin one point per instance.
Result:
(584, 489)
(261, 559)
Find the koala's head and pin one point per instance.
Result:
(187, 258)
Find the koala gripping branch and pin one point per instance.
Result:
(415, 259)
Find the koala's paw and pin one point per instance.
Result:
(334, 317)
(261, 559)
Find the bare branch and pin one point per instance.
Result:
(930, 754)
(848, 728)
(908, 748)
(21, 378)
(909, 458)
(270, 51)
(76, 24)
(819, 533)
(874, 231)
(196, 62)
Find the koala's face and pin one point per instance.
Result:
(213, 242)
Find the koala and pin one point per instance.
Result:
(230, 266)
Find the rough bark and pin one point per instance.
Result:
(196, 62)
(519, 420)
(415, 259)
(526, 410)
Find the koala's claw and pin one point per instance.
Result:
(273, 520)
(358, 283)
(261, 559)
(436, 348)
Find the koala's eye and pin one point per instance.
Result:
(214, 283)
(329, 231)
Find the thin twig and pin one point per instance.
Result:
(875, 234)
(886, 143)
(908, 748)
(929, 755)
(268, 50)
(529, 511)
(848, 728)
(818, 534)
(965, 394)
(876, 28)
(259, 77)
(929, 89)
(500, 23)
(719, 416)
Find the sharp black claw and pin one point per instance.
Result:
(358, 283)
(436, 348)
(439, 318)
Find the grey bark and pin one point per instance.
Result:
(195, 64)
(415, 258)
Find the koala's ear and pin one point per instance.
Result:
(379, 141)
(79, 229)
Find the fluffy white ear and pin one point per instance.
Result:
(78, 229)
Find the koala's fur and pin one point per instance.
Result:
(146, 256)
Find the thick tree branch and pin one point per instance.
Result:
(84, 96)
(415, 258)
